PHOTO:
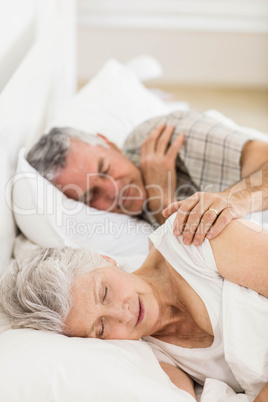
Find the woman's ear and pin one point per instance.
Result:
(109, 143)
(110, 260)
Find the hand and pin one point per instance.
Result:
(205, 214)
(157, 165)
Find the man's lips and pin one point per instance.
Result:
(141, 312)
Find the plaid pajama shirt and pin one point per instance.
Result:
(209, 159)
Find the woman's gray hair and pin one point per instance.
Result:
(36, 291)
(49, 154)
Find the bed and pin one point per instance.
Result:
(42, 366)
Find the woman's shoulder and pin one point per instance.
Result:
(199, 258)
(241, 254)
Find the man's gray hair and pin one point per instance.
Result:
(36, 291)
(49, 154)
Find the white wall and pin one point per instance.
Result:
(16, 35)
(198, 42)
(22, 23)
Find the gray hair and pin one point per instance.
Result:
(49, 154)
(36, 291)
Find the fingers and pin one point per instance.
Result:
(171, 209)
(200, 220)
(149, 144)
(197, 230)
(223, 220)
(158, 139)
(200, 228)
(203, 215)
(164, 139)
(207, 225)
(174, 148)
(186, 214)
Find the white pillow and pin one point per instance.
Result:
(50, 219)
(5, 323)
(112, 103)
(42, 366)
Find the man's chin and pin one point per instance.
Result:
(130, 210)
(130, 213)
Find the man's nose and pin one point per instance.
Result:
(110, 189)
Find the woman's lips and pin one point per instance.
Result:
(141, 312)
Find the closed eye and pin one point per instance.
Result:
(106, 171)
(102, 169)
(101, 332)
(105, 293)
(102, 329)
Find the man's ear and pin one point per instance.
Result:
(109, 143)
(109, 259)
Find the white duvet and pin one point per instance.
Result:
(246, 336)
(245, 315)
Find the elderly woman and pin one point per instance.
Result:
(174, 300)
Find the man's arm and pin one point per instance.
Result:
(254, 154)
(198, 213)
(179, 378)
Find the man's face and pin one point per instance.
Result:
(102, 178)
(111, 304)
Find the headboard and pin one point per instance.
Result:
(41, 85)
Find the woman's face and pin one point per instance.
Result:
(111, 304)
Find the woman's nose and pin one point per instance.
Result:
(121, 313)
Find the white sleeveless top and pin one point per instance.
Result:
(197, 266)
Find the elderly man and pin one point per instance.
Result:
(180, 156)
